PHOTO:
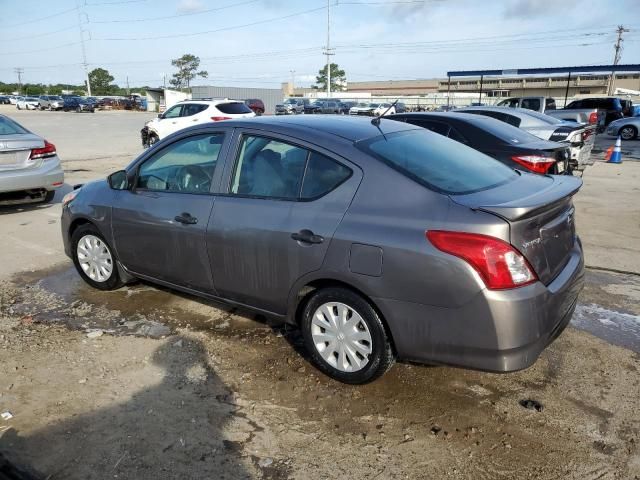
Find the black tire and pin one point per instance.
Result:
(113, 282)
(78, 110)
(381, 357)
(632, 132)
(49, 196)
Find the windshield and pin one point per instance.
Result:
(504, 131)
(9, 127)
(374, 105)
(545, 118)
(31, 99)
(291, 101)
(437, 162)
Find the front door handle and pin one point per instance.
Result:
(307, 236)
(186, 219)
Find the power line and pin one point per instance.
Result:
(42, 49)
(29, 37)
(223, 29)
(170, 17)
(34, 20)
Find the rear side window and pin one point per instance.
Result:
(441, 128)
(531, 103)
(9, 127)
(437, 162)
(233, 108)
(270, 168)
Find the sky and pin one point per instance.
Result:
(262, 43)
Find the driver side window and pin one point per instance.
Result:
(173, 112)
(186, 166)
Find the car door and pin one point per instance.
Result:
(284, 201)
(168, 122)
(159, 225)
(191, 115)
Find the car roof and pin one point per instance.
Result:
(349, 128)
(214, 102)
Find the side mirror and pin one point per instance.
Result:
(160, 115)
(119, 180)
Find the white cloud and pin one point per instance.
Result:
(189, 6)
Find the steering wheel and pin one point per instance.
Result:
(192, 179)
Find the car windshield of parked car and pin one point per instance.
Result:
(291, 101)
(31, 99)
(374, 105)
(55, 97)
(548, 119)
(9, 127)
(233, 108)
(437, 162)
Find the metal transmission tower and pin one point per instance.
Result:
(84, 51)
(616, 59)
(328, 51)
(19, 71)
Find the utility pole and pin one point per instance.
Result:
(616, 59)
(328, 49)
(128, 92)
(293, 81)
(19, 71)
(84, 52)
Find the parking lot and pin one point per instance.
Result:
(95, 380)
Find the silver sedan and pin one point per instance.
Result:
(627, 128)
(30, 169)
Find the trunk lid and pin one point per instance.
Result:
(540, 212)
(15, 151)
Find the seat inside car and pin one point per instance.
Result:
(267, 175)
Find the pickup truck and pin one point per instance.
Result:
(574, 112)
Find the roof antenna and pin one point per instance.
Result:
(376, 121)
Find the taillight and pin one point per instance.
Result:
(217, 119)
(593, 118)
(535, 163)
(49, 150)
(499, 264)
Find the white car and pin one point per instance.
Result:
(373, 109)
(192, 112)
(28, 103)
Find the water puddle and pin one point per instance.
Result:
(615, 327)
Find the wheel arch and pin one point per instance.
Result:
(301, 294)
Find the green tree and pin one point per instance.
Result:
(187, 70)
(338, 78)
(100, 80)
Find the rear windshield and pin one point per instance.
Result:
(437, 162)
(9, 127)
(505, 132)
(233, 108)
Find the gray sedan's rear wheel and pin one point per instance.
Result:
(94, 259)
(345, 336)
(628, 132)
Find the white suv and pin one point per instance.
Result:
(192, 112)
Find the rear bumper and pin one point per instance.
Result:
(499, 331)
(48, 176)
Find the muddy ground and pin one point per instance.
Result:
(146, 383)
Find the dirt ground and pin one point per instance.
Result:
(145, 383)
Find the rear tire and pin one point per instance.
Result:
(355, 348)
(92, 246)
(48, 198)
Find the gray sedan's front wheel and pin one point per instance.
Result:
(628, 133)
(345, 336)
(94, 259)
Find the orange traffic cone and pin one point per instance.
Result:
(607, 155)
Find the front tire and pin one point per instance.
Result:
(628, 132)
(94, 258)
(345, 336)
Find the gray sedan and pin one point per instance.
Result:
(627, 128)
(30, 169)
(380, 240)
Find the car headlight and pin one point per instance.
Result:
(69, 197)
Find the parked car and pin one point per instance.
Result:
(256, 105)
(345, 107)
(292, 106)
(580, 138)
(78, 104)
(5, 100)
(482, 265)
(192, 112)
(27, 103)
(373, 109)
(401, 107)
(324, 106)
(509, 145)
(51, 102)
(537, 104)
(627, 128)
(13, 99)
(611, 106)
(30, 169)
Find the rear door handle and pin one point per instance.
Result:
(186, 219)
(307, 236)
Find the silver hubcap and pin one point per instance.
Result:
(341, 337)
(627, 133)
(95, 258)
